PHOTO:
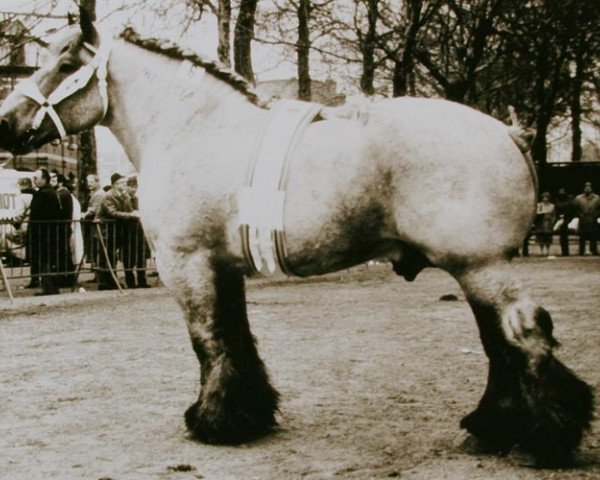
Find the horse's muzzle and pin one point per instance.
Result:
(19, 144)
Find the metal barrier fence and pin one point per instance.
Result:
(62, 250)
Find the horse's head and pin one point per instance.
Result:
(66, 95)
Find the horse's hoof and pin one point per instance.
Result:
(221, 428)
(471, 445)
(545, 415)
(236, 404)
(556, 411)
(492, 431)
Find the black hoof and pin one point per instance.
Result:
(493, 428)
(222, 427)
(546, 416)
(239, 413)
(557, 410)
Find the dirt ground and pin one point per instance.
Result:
(375, 375)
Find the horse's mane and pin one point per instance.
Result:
(172, 50)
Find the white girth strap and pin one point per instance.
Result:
(261, 201)
(68, 87)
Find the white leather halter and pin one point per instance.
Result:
(73, 83)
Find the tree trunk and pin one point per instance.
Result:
(87, 163)
(403, 69)
(224, 26)
(242, 42)
(90, 7)
(576, 152)
(543, 103)
(303, 50)
(475, 53)
(539, 149)
(368, 49)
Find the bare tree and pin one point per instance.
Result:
(243, 36)
(457, 40)
(367, 44)
(87, 139)
(404, 64)
(303, 50)
(585, 50)
(222, 12)
(90, 7)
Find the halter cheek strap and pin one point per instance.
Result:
(73, 83)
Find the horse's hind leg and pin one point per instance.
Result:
(531, 398)
(236, 402)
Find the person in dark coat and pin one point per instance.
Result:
(64, 259)
(587, 206)
(43, 233)
(135, 246)
(116, 214)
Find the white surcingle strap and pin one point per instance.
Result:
(68, 87)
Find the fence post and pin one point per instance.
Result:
(110, 268)
(5, 282)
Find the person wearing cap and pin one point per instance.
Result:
(116, 214)
(95, 195)
(135, 247)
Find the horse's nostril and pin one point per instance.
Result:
(4, 126)
(4, 133)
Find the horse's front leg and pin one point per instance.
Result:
(531, 399)
(236, 402)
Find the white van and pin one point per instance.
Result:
(9, 190)
(11, 240)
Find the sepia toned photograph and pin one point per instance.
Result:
(299, 239)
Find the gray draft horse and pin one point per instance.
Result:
(419, 182)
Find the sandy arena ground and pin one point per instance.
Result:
(375, 375)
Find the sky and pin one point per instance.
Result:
(160, 18)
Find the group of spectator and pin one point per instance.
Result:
(580, 214)
(54, 242)
(51, 237)
(119, 232)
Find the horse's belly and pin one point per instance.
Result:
(335, 213)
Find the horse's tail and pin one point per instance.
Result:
(521, 136)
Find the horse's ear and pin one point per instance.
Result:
(90, 35)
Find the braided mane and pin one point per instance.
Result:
(174, 51)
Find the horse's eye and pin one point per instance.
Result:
(67, 68)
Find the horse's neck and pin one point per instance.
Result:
(153, 107)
